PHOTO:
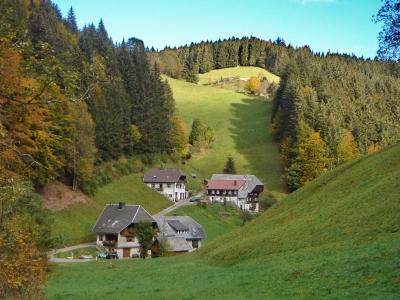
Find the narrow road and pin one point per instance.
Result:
(66, 249)
(172, 207)
(178, 204)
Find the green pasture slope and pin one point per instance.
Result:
(240, 124)
(335, 238)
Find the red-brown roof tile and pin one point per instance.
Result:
(225, 184)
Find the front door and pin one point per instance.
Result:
(126, 252)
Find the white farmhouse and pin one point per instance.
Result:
(242, 190)
(170, 182)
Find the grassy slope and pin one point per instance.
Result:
(240, 124)
(336, 238)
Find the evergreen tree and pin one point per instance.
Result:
(71, 21)
(229, 166)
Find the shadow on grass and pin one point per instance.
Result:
(252, 140)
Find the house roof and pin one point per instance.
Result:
(115, 218)
(225, 184)
(251, 182)
(177, 225)
(193, 229)
(178, 243)
(163, 175)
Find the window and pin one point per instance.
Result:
(235, 192)
(212, 192)
(229, 192)
(100, 238)
(153, 185)
(217, 192)
(130, 238)
(195, 244)
(168, 185)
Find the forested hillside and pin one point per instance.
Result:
(71, 98)
(329, 108)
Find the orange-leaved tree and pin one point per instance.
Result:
(23, 268)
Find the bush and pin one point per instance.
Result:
(202, 204)
(266, 201)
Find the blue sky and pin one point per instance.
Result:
(336, 25)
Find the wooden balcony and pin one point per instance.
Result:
(112, 244)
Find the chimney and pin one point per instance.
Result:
(234, 182)
(121, 205)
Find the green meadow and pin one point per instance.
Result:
(336, 238)
(237, 72)
(240, 124)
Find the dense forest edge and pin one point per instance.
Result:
(81, 109)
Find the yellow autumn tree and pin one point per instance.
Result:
(178, 141)
(373, 147)
(252, 84)
(82, 149)
(305, 160)
(347, 148)
(312, 156)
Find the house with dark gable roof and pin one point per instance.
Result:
(243, 190)
(116, 228)
(182, 233)
(117, 224)
(170, 182)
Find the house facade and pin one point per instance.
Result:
(171, 182)
(242, 190)
(116, 228)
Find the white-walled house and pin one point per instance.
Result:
(116, 228)
(170, 182)
(243, 190)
